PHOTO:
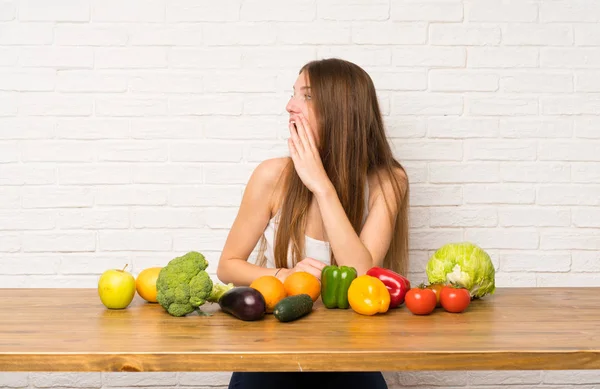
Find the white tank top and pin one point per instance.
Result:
(314, 248)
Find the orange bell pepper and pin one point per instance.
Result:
(368, 295)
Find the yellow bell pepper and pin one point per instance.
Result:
(368, 295)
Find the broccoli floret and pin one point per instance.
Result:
(183, 285)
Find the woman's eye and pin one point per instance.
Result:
(307, 97)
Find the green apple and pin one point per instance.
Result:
(116, 288)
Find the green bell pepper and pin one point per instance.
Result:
(335, 282)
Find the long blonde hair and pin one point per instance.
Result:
(353, 145)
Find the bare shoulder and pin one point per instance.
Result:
(266, 178)
(382, 183)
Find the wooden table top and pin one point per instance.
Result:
(514, 329)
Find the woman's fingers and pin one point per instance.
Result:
(296, 139)
(310, 139)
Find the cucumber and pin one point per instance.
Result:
(293, 307)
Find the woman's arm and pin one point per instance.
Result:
(252, 218)
(350, 249)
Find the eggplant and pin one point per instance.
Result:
(243, 302)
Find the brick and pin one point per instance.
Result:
(92, 263)
(265, 104)
(167, 218)
(124, 195)
(25, 34)
(555, 127)
(51, 104)
(431, 12)
(38, 80)
(27, 220)
(538, 82)
(462, 127)
(574, 57)
(220, 217)
(94, 175)
(208, 379)
(570, 11)
(206, 105)
(90, 81)
(10, 243)
(515, 279)
(27, 128)
(570, 105)
(57, 197)
(243, 82)
(435, 195)
(18, 174)
(73, 380)
(255, 127)
(462, 81)
(213, 58)
(550, 262)
(394, 80)
(495, 150)
(434, 238)
(134, 241)
(504, 378)
(206, 152)
(542, 172)
(579, 150)
(187, 240)
(131, 106)
(9, 105)
(585, 172)
(8, 56)
(168, 174)
(503, 238)
(363, 56)
(502, 106)
(57, 151)
(203, 11)
(426, 104)
(586, 217)
(572, 280)
(271, 10)
(353, 10)
(463, 217)
(93, 219)
(441, 150)
(503, 57)
(205, 196)
(405, 127)
(568, 194)
(277, 57)
(587, 34)
(585, 261)
(90, 34)
(389, 34)
(587, 81)
(59, 242)
(129, 11)
(501, 11)
(9, 152)
(9, 379)
(8, 11)
(57, 57)
(174, 128)
(447, 57)
(533, 34)
(239, 34)
(258, 152)
(457, 173)
(499, 194)
(10, 197)
(57, 11)
(419, 217)
(532, 217)
(169, 35)
(321, 32)
(227, 173)
(141, 379)
(92, 128)
(416, 171)
(130, 57)
(133, 151)
(471, 34)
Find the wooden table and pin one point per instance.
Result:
(514, 329)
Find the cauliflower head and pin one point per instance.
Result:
(183, 285)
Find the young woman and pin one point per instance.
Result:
(340, 198)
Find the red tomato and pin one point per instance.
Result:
(437, 288)
(420, 301)
(455, 300)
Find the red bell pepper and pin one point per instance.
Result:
(396, 284)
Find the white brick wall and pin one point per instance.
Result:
(129, 128)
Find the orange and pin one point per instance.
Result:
(303, 282)
(271, 289)
(145, 283)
